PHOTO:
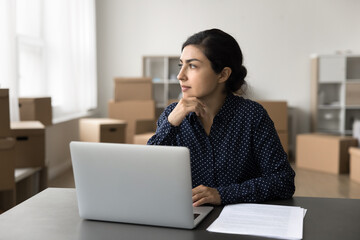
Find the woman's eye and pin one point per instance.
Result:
(180, 65)
(192, 66)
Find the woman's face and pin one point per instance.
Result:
(196, 76)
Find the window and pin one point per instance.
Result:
(30, 48)
(56, 53)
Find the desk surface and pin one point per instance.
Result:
(53, 214)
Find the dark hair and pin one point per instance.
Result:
(223, 51)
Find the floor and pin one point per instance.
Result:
(308, 183)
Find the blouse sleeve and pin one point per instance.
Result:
(276, 180)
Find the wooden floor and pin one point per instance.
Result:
(308, 183)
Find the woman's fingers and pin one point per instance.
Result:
(183, 108)
(203, 195)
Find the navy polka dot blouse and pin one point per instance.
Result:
(242, 157)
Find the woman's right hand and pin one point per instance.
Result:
(184, 107)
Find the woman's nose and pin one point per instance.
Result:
(181, 76)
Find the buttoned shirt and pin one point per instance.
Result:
(242, 157)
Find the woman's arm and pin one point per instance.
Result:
(170, 120)
(165, 132)
(276, 180)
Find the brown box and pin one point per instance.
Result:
(352, 94)
(143, 138)
(127, 89)
(102, 130)
(4, 113)
(30, 143)
(7, 163)
(131, 111)
(145, 126)
(277, 111)
(325, 153)
(39, 109)
(355, 164)
(145, 129)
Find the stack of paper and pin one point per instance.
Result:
(265, 220)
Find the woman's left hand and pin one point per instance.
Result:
(202, 195)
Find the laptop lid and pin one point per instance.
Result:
(134, 183)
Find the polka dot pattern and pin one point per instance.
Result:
(242, 157)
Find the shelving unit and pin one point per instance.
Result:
(335, 93)
(163, 70)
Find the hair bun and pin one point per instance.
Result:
(243, 72)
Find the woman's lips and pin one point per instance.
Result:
(184, 88)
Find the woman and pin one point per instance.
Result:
(236, 155)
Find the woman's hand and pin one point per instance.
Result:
(202, 195)
(183, 108)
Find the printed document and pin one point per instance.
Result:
(283, 222)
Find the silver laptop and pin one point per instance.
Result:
(138, 184)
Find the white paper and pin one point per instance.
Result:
(284, 222)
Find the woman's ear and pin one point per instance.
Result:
(225, 74)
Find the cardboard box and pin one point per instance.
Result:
(4, 113)
(145, 129)
(39, 109)
(7, 163)
(30, 143)
(102, 130)
(131, 111)
(278, 113)
(325, 153)
(127, 89)
(145, 126)
(143, 138)
(355, 164)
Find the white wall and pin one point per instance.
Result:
(277, 38)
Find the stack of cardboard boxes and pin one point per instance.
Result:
(23, 171)
(315, 151)
(133, 102)
(7, 155)
(35, 116)
(278, 113)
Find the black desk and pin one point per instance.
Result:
(53, 214)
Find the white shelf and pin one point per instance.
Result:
(158, 82)
(353, 80)
(326, 107)
(353, 107)
(335, 132)
(348, 132)
(330, 82)
(163, 70)
(174, 82)
(335, 93)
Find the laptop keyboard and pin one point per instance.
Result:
(196, 215)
